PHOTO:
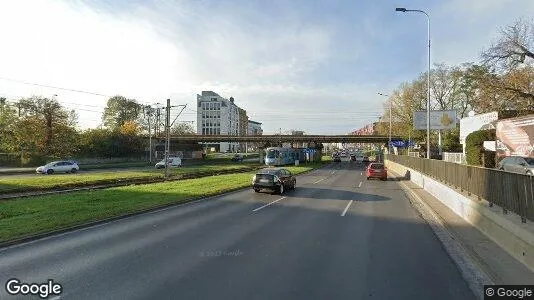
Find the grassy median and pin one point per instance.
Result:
(34, 182)
(28, 216)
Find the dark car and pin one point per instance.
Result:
(376, 170)
(237, 157)
(337, 158)
(275, 179)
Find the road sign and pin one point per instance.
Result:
(439, 120)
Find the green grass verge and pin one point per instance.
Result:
(35, 182)
(115, 165)
(25, 217)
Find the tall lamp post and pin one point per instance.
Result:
(389, 145)
(402, 9)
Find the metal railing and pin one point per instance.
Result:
(510, 191)
(454, 157)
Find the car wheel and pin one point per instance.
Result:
(281, 189)
(367, 178)
(73, 170)
(49, 171)
(257, 190)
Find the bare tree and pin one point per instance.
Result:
(444, 84)
(513, 47)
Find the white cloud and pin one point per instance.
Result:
(177, 49)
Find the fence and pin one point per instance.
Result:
(454, 157)
(511, 191)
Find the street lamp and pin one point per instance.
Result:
(389, 145)
(402, 9)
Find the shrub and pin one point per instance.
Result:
(474, 147)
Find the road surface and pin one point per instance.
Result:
(337, 236)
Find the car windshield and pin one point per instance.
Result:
(529, 160)
(377, 166)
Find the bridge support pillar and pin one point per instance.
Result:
(260, 150)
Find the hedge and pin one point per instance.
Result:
(474, 148)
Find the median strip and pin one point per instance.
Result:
(11, 192)
(29, 219)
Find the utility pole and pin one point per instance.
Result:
(158, 121)
(150, 133)
(168, 136)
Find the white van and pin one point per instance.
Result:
(172, 162)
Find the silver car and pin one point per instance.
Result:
(517, 164)
(58, 166)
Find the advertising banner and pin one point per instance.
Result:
(474, 123)
(515, 136)
(439, 120)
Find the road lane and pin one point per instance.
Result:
(296, 248)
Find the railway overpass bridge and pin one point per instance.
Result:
(348, 139)
(264, 141)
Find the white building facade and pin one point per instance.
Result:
(217, 116)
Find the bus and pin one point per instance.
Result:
(277, 156)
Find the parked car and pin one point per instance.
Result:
(517, 164)
(376, 170)
(352, 157)
(275, 179)
(365, 159)
(58, 166)
(237, 157)
(337, 158)
(172, 162)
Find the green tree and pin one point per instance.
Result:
(119, 110)
(48, 123)
(451, 141)
(182, 129)
(8, 126)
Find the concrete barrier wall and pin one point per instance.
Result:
(506, 230)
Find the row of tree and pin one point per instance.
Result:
(36, 129)
(502, 80)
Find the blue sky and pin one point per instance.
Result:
(308, 65)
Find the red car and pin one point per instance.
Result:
(377, 170)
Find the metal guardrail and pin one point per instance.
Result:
(510, 191)
(454, 157)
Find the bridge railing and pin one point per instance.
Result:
(510, 191)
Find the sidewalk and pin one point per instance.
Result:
(485, 254)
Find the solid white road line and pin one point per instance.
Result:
(346, 208)
(269, 204)
(360, 185)
(319, 181)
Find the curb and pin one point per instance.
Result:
(475, 278)
(39, 236)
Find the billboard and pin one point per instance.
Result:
(515, 136)
(478, 122)
(439, 119)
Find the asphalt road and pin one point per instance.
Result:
(337, 236)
